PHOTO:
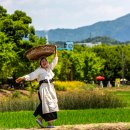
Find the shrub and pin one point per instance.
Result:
(18, 104)
(88, 99)
(32, 86)
(71, 85)
(15, 94)
(73, 99)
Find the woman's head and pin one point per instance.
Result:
(43, 62)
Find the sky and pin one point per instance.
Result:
(68, 14)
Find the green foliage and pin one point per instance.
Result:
(93, 66)
(13, 29)
(73, 99)
(16, 94)
(3, 12)
(70, 85)
(16, 26)
(102, 39)
(17, 103)
(83, 63)
(32, 86)
(123, 95)
(20, 15)
(88, 99)
(116, 60)
(8, 59)
(80, 64)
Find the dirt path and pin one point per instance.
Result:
(98, 126)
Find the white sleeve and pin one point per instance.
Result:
(32, 75)
(54, 63)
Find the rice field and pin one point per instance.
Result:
(25, 119)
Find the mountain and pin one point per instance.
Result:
(118, 29)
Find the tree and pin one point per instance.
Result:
(80, 64)
(15, 26)
(13, 29)
(3, 12)
(9, 59)
(113, 61)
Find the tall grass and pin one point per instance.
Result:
(67, 100)
(18, 105)
(78, 95)
(123, 95)
(88, 99)
(25, 119)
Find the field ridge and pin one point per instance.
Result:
(95, 126)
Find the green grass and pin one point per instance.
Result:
(25, 119)
(124, 95)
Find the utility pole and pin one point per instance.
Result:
(46, 35)
(123, 66)
(90, 35)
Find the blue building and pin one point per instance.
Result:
(65, 46)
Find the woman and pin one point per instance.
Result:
(48, 106)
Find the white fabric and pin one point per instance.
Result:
(47, 91)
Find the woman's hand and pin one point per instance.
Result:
(19, 79)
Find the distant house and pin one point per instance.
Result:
(89, 44)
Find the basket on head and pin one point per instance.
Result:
(36, 52)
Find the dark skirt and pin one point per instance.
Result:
(49, 116)
(46, 116)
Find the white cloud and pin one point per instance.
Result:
(48, 14)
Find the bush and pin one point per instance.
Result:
(18, 104)
(88, 99)
(73, 99)
(15, 94)
(71, 85)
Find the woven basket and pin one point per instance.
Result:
(36, 52)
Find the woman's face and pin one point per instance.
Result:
(44, 63)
